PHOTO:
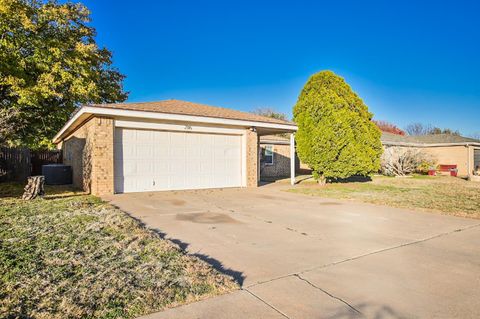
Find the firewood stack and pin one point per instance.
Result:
(34, 187)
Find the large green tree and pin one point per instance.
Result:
(336, 136)
(49, 65)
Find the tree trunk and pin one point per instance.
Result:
(322, 181)
(34, 187)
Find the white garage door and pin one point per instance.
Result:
(148, 160)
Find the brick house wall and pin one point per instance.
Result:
(89, 150)
(461, 155)
(457, 155)
(252, 158)
(281, 161)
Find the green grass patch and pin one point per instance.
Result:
(71, 255)
(449, 195)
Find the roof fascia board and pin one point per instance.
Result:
(166, 116)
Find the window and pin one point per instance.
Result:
(268, 154)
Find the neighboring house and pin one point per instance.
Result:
(445, 149)
(166, 145)
(275, 158)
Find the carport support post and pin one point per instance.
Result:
(292, 159)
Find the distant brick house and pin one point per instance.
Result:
(445, 149)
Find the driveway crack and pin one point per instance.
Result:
(266, 303)
(329, 294)
(391, 248)
(367, 254)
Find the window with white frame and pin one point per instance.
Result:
(268, 158)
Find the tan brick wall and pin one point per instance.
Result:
(89, 150)
(281, 162)
(457, 155)
(252, 158)
(102, 170)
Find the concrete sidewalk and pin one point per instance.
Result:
(298, 256)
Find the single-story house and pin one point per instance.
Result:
(445, 149)
(166, 145)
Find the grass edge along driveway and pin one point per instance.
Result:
(444, 194)
(72, 255)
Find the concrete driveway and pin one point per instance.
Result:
(298, 256)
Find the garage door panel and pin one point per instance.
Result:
(177, 166)
(161, 166)
(147, 160)
(144, 152)
(127, 136)
(125, 151)
(162, 182)
(194, 152)
(145, 167)
(161, 137)
(144, 135)
(206, 167)
(192, 167)
(177, 151)
(176, 137)
(129, 168)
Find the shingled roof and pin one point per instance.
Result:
(189, 108)
(389, 138)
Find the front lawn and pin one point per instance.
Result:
(449, 195)
(71, 255)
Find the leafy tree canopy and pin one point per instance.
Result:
(49, 65)
(336, 136)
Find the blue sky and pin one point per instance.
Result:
(409, 61)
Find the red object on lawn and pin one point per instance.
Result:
(432, 172)
(449, 168)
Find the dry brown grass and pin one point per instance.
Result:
(448, 195)
(73, 256)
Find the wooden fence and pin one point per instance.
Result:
(16, 164)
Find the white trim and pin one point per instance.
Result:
(244, 159)
(273, 151)
(91, 110)
(292, 159)
(177, 127)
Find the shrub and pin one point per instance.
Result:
(336, 137)
(402, 161)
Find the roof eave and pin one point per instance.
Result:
(430, 144)
(87, 111)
